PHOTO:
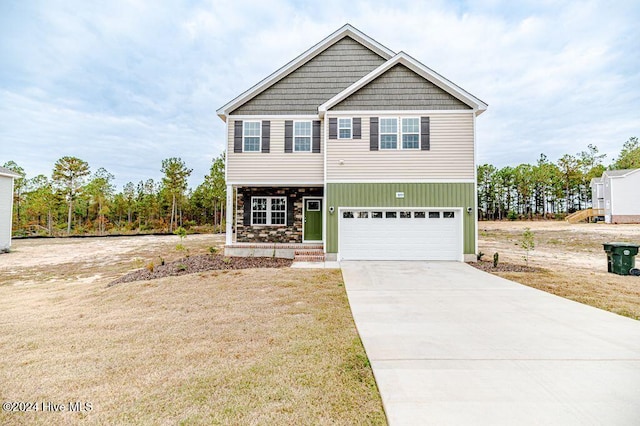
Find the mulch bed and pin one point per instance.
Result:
(487, 266)
(201, 263)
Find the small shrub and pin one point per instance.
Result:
(180, 247)
(512, 215)
(227, 260)
(181, 267)
(150, 266)
(162, 262)
(213, 250)
(479, 256)
(496, 257)
(527, 244)
(181, 232)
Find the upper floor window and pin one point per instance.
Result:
(251, 136)
(344, 128)
(411, 133)
(302, 136)
(388, 133)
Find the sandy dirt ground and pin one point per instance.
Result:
(557, 243)
(89, 259)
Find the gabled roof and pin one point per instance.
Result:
(417, 67)
(620, 173)
(8, 172)
(346, 31)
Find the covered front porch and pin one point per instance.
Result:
(274, 220)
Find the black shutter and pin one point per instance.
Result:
(290, 201)
(315, 140)
(357, 128)
(333, 128)
(373, 134)
(288, 136)
(237, 136)
(266, 135)
(246, 218)
(424, 134)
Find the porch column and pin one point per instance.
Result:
(230, 215)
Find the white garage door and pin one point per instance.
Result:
(386, 234)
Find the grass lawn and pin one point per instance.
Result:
(256, 346)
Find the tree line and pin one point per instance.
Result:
(76, 201)
(547, 189)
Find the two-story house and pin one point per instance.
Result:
(354, 150)
(614, 196)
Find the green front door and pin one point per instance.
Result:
(313, 219)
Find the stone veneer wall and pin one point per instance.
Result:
(292, 233)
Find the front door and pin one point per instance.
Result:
(312, 219)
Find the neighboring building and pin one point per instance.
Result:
(356, 150)
(616, 193)
(6, 207)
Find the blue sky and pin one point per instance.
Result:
(124, 84)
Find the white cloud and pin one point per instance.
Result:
(125, 84)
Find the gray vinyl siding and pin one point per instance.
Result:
(400, 89)
(303, 90)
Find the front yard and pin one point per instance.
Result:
(255, 346)
(570, 260)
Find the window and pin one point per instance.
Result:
(363, 215)
(347, 215)
(313, 206)
(410, 133)
(376, 215)
(251, 136)
(419, 215)
(344, 128)
(390, 215)
(302, 136)
(448, 215)
(268, 210)
(434, 215)
(388, 133)
(405, 215)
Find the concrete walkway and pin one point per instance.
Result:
(451, 345)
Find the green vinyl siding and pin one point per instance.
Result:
(461, 195)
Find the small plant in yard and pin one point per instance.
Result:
(162, 262)
(213, 250)
(181, 267)
(496, 257)
(512, 215)
(227, 260)
(150, 266)
(182, 233)
(479, 256)
(527, 244)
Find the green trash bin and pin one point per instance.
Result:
(621, 257)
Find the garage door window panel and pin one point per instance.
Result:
(434, 215)
(391, 215)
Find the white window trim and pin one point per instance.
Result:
(269, 211)
(411, 133)
(350, 127)
(244, 127)
(310, 136)
(399, 134)
(386, 133)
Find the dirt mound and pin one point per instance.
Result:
(201, 263)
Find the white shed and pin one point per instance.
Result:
(6, 207)
(620, 195)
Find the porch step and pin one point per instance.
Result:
(308, 255)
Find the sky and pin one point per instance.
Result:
(124, 84)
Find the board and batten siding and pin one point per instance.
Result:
(318, 80)
(399, 88)
(6, 203)
(276, 166)
(416, 195)
(451, 153)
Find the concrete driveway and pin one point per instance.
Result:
(451, 345)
